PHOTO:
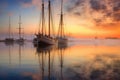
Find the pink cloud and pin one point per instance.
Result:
(10, 14)
(26, 5)
(35, 3)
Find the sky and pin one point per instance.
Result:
(82, 18)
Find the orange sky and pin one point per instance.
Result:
(82, 18)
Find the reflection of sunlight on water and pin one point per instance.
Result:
(81, 60)
(106, 42)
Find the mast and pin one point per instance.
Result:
(20, 26)
(61, 29)
(43, 17)
(9, 28)
(49, 14)
(62, 18)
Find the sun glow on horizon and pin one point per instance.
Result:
(85, 19)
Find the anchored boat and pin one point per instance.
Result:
(9, 40)
(45, 37)
(61, 38)
(21, 39)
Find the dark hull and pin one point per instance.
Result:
(9, 41)
(43, 41)
(41, 44)
(20, 41)
(62, 40)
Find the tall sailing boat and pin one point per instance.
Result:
(9, 39)
(44, 37)
(20, 36)
(62, 39)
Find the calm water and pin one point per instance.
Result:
(81, 60)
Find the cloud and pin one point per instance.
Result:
(74, 4)
(111, 13)
(31, 3)
(110, 9)
(77, 13)
(10, 13)
(116, 9)
(98, 5)
(116, 16)
(103, 13)
(76, 7)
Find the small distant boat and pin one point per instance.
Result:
(96, 37)
(1, 40)
(42, 38)
(21, 39)
(9, 39)
(61, 38)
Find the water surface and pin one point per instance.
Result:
(79, 60)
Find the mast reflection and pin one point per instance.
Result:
(20, 45)
(61, 50)
(41, 60)
(19, 55)
(44, 56)
(46, 61)
(9, 55)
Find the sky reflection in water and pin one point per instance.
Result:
(77, 61)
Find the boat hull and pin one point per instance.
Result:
(62, 40)
(9, 41)
(20, 41)
(43, 41)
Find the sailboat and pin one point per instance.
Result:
(61, 38)
(20, 40)
(44, 38)
(9, 39)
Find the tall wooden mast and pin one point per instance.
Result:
(43, 18)
(61, 28)
(20, 26)
(9, 27)
(49, 14)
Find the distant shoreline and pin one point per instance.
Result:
(112, 38)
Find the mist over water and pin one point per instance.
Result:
(81, 59)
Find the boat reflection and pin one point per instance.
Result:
(61, 52)
(42, 54)
(20, 48)
(9, 43)
(9, 54)
(46, 61)
(19, 53)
